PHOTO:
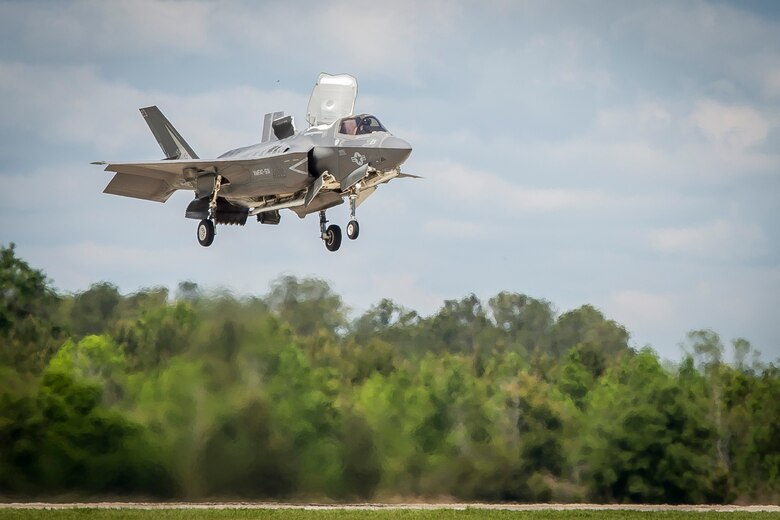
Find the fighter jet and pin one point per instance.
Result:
(340, 156)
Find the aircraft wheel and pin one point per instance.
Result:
(333, 237)
(353, 229)
(205, 232)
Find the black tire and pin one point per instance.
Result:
(205, 232)
(353, 229)
(333, 237)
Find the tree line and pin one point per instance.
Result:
(195, 395)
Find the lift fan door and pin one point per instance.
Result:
(333, 97)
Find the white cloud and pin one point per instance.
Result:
(567, 58)
(75, 105)
(476, 188)
(81, 263)
(97, 28)
(738, 127)
(655, 141)
(713, 33)
(647, 116)
(719, 239)
(772, 82)
(407, 290)
(640, 309)
(452, 228)
(385, 37)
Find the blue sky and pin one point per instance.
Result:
(622, 154)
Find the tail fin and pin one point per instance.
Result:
(268, 131)
(172, 143)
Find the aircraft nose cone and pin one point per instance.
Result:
(396, 149)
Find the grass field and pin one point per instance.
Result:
(386, 514)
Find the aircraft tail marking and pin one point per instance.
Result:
(172, 143)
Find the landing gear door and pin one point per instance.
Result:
(333, 97)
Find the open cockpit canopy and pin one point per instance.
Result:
(333, 97)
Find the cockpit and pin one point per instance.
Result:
(360, 125)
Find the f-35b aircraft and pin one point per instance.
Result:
(340, 156)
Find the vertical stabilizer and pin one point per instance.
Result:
(172, 143)
(268, 131)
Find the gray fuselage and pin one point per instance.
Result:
(303, 157)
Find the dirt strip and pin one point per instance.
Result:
(379, 506)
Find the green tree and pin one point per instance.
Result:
(307, 304)
(94, 359)
(645, 440)
(157, 335)
(388, 321)
(751, 416)
(61, 439)
(94, 309)
(523, 320)
(29, 329)
(243, 457)
(708, 351)
(586, 328)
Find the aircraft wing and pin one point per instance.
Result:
(157, 180)
(153, 180)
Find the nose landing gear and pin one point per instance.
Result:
(353, 228)
(331, 235)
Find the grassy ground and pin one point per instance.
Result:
(440, 514)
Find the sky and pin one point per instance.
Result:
(620, 154)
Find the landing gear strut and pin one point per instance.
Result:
(206, 229)
(330, 235)
(353, 228)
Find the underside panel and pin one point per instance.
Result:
(322, 201)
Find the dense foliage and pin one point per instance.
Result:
(199, 395)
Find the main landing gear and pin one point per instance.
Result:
(206, 229)
(331, 235)
(206, 232)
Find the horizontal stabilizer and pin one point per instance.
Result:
(139, 187)
(408, 176)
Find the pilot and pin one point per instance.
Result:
(348, 126)
(365, 127)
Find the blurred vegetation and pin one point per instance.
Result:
(196, 395)
(377, 514)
